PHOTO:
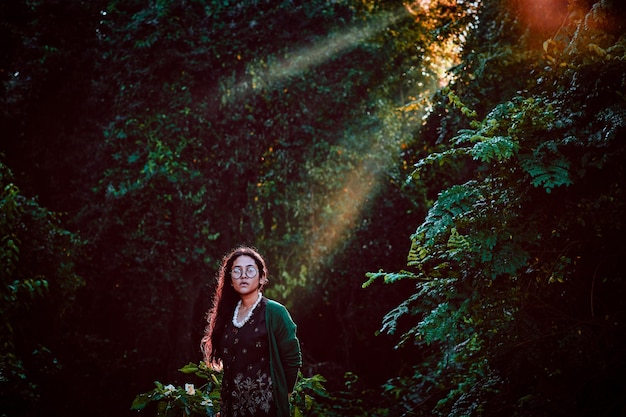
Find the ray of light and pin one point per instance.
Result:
(333, 45)
(274, 70)
(345, 205)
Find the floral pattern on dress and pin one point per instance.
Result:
(251, 395)
(247, 384)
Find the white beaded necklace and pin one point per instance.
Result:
(239, 324)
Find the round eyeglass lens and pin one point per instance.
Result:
(237, 272)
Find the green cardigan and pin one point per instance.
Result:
(285, 355)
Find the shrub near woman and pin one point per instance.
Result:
(252, 338)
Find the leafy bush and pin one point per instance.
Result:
(191, 401)
(38, 283)
(205, 399)
(510, 261)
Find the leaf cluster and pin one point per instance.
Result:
(188, 400)
(494, 247)
(204, 400)
(38, 282)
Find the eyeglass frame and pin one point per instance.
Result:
(243, 273)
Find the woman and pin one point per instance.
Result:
(253, 339)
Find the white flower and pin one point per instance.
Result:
(190, 389)
(207, 402)
(168, 389)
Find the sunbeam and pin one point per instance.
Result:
(345, 205)
(273, 70)
(339, 210)
(309, 57)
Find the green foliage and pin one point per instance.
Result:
(356, 401)
(188, 400)
(37, 280)
(204, 400)
(307, 395)
(513, 233)
(496, 140)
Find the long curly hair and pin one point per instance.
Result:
(224, 301)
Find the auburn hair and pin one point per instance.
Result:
(224, 301)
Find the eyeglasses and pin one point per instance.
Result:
(237, 272)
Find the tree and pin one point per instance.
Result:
(513, 265)
(38, 284)
(50, 105)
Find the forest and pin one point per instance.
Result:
(437, 187)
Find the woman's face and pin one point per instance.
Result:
(245, 275)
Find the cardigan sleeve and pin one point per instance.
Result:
(288, 347)
(286, 342)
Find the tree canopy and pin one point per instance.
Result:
(517, 266)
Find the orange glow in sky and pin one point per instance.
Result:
(544, 14)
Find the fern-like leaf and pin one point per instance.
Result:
(390, 321)
(452, 202)
(498, 148)
(548, 174)
(440, 159)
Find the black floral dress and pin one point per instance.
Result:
(247, 383)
